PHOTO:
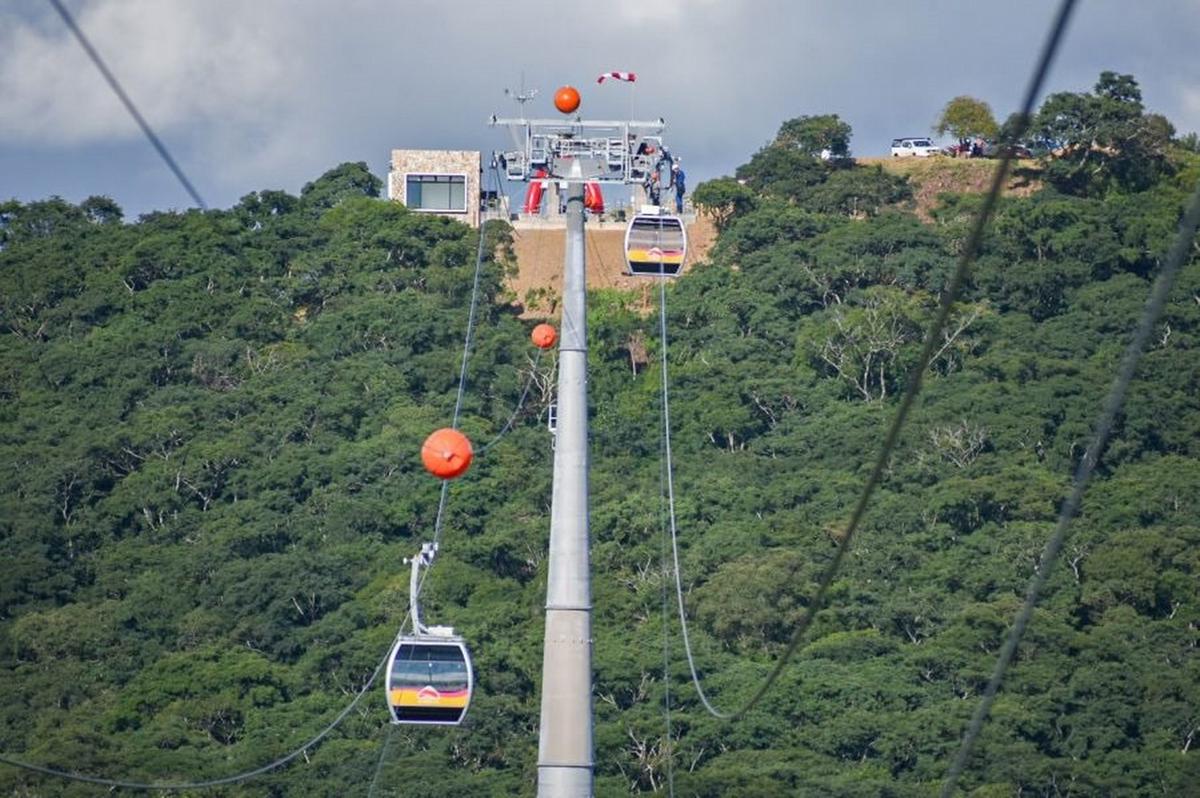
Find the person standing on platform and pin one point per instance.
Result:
(679, 181)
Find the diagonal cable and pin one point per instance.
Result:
(387, 742)
(1083, 473)
(198, 785)
(669, 476)
(462, 386)
(949, 296)
(111, 79)
(512, 419)
(444, 493)
(474, 309)
(669, 744)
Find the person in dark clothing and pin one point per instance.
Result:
(679, 181)
(653, 188)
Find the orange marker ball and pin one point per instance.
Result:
(544, 336)
(446, 453)
(566, 99)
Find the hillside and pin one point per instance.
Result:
(537, 281)
(539, 252)
(210, 435)
(932, 177)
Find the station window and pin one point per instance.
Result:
(442, 193)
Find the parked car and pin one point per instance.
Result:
(994, 150)
(914, 148)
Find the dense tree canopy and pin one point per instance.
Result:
(722, 198)
(790, 174)
(210, 425)
(813, 135)
(1104, 137)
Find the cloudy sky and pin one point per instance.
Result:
(255, 94)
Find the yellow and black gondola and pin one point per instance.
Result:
(429, 680)
(655, 245)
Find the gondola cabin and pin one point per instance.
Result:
(429, 680)
(655, 245)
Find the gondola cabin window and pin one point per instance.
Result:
(436, 193)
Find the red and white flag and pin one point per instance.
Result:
(628, 77)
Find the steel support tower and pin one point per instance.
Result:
(565, 744)
(572, 152)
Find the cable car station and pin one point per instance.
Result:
(551, 153)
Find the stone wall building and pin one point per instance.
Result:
(444, 182)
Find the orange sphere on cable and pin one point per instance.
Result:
(544, 336)
(446, 453)
(566, 99)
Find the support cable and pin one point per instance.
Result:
(669, 471)
(462, 385)
(387, 742)
(467, 339)
(197, 785)
(462, 376)
(512, 419)
(444, 494)
(111, 79)
(666, 619)
(949, 297)
(1103, 427)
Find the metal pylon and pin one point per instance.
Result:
(573, 152)
(565, 745)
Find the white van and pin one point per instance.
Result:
(914, 147)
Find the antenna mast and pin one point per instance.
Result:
(521, 97)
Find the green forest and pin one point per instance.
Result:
(210, 477)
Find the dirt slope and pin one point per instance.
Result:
(931, 177)
(540, 253)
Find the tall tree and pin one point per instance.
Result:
(722, 199)
(1103, 137)
(965, 117)
(814, 134)
(339, 183)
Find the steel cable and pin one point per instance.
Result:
(111, 79)
(666, 614)
(387, 742)
(512, 419)
(462, 386)
(1103, 427)
(891, 439)
(668, 469)
(444, 493)
(196, 785)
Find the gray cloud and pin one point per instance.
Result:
(271, 93)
